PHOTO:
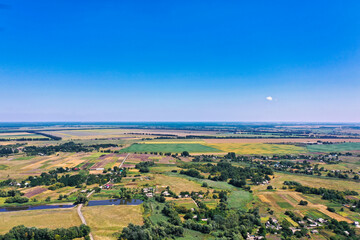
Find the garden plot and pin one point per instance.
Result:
(105, 161)
(133, 159)
(31, 192)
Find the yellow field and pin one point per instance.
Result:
(312, 181)
(257, 148)
(107, 220)
(54, 218)
(176, 184)
(173, 142)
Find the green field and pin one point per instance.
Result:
(285, 205)
(173, 148)
(340, 147)
(239, 199)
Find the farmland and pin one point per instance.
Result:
(339, 147)
(172, 148)
(257, 148)
(41, 218)
(192, 186)
(107, 220)
(20, 135)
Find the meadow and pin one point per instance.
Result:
(172, 148)
(339, 147)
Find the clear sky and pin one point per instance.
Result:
(108, 60)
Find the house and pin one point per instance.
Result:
(166, 193)
(108, 186)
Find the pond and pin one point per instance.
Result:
(90, 204)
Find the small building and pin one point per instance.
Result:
(166, 193)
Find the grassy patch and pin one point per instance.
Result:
(3, 167)
(285, 205)
(239, 199)
(154, 212)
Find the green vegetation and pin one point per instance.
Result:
(23, 233)
(338, 147)
(274, 190)
(239, 199)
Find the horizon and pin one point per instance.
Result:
(179, 61)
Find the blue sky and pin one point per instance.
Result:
(179, 60)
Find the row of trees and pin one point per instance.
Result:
(224, 171)
(30, 233)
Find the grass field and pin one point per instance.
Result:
(339, 147)
(239, 199)
(257, 148)
(55, 218)
(107, 220)
(186, 202)
(171, 147)
(176, 184)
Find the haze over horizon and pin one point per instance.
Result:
(179, 61)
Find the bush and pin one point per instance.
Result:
(330, 209)
(81, 199)
(17, 199)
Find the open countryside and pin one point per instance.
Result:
(119, 186)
